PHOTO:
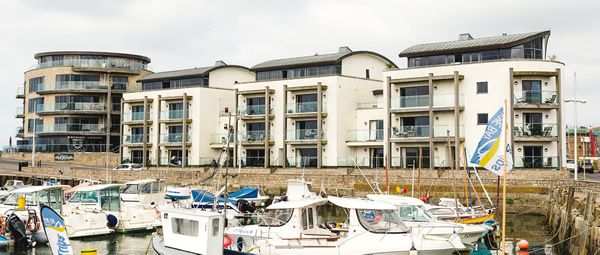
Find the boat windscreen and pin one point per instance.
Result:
(412, 213)
(130, 189)
(381, 221)
(276, 217)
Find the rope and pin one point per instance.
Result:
(578, 234)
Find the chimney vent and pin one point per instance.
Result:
(220, 63)
(344, 49)
(464, 37)
(504, 34)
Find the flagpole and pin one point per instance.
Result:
(504, 183)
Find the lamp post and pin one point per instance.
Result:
(575, 101)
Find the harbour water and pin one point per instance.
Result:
(529, 227)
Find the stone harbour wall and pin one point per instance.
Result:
(79, 158)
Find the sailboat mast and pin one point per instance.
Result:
(452, 170)
(466, 181)
(504, 184)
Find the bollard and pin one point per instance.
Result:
(89, 251)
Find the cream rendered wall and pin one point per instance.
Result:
(496, 73)
(355, 65)
(227, 76)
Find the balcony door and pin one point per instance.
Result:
(255, 106)
(414, 96)
(255, 157)
(306, 130)
(533, 156)
(411, 157)
(175, 111)
(306, 103)
(307, 157)
(377, 158)
(255, 131)
(375, 130)
(532, 91)
(415, 126)
(533, 124)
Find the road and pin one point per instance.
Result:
(588, 177)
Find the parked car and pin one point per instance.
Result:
(129, 166)
(570, 165)
(589, 167)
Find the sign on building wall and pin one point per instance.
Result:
(64, 156)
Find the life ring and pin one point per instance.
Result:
(3, 227)
(36, 223)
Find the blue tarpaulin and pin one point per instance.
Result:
(245, 193)
(203, 196)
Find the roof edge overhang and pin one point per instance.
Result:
(476, 48)
(102, 53)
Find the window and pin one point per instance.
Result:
(482, 119)
(489, 55)
(184, 227)
(39, 125)
(215, 227)
(412, 213)
(482, 87)
(36, 84)
(130, 189)
(381, 221)
(367, 75)
(35, 104)
(119, 82)
(277, 217)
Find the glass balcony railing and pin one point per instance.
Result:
(60, 128)
(174, 138)
(96, 63)
(251, 110)
(306, 107)
(81, 85)
(373, 162)
(364, 135)
(252, 161)
(410, 131)
(221, 138)
(301, 162)
(536, 97)
(135, 116)
(136, 139)
(409, 162)
(445, 100)
(441, 130)
(173, 161)
(20, 110)
(373, 105)
(536, 129)
(253, 136)
(20, 130)
(305, 134)
(409, 101)
(138, 160)
(173, 115)
(20, 91)
(536, 162)
(70, 107)
(56, 148)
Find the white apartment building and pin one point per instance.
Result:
(317, 111)
(184, 108)
(456, 86)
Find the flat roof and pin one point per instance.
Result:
(101, 53)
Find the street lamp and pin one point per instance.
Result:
(575, 101)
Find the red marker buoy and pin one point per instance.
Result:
(523, 245)
(226, 241)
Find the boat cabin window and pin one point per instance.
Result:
(84, 197)
(307, 218)
(185, 227)
(30, 199)
(441, 211)
(380, 221)
(277, 217)
(145, 188)
(130, 189)
(109, 199)
(215, 227)
(51, 198)
(412, 213)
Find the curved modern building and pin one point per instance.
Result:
(73, 98)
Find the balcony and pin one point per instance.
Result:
(409, 162)
(221, 138)
(306, 107)
(536, 97)
(305, 134)
(447, 100)
(71, 128)
(20, 112)
(410, 131)
(136, 139)
(173, 115)
(20, 131)
(409, 101)
(252, 161)
(165, 161)
(81, 86)
(374, 105)
(174, 138)
(364, 135)
(536, 130)
(94, 63)
(135, 116)
(441, 130)
(536, 162)
(253, 136)
(370, 162)
(80, 107)
(302, 162)
(21, 92)
(138, 160)
(253, 110)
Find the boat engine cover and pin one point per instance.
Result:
(17, 231)
(112, 221)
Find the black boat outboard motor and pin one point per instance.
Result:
(17, 231)
(246, 207)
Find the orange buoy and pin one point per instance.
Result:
(523, 245)
(226, 241)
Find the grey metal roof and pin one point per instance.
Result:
(494, 42)
(320, 59)
(185, 73)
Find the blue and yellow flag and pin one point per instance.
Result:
(490, 150)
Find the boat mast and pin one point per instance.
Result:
(452, 170)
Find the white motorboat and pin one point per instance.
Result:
(77, 222)
(122, 217)
(411, 211)
(447, 210)
(13, 184)
(145, 192)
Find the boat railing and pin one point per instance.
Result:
(457, 229)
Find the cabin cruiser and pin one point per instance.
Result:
(13, 184)
(78, 223)
(411, 211)
(240, 203)
(447, 210)
(122, 216)
(145, 192)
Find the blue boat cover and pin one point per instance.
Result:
(245, 193)
(203, 196)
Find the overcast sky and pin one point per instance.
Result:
(185, 34)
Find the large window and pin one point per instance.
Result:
(36, 83)
(77, 77)
(298, 72)
(34, 103)
(482, 87)
(184, 226)
(39, 125)
(482, 119)
(119, 82)
(169, 84)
